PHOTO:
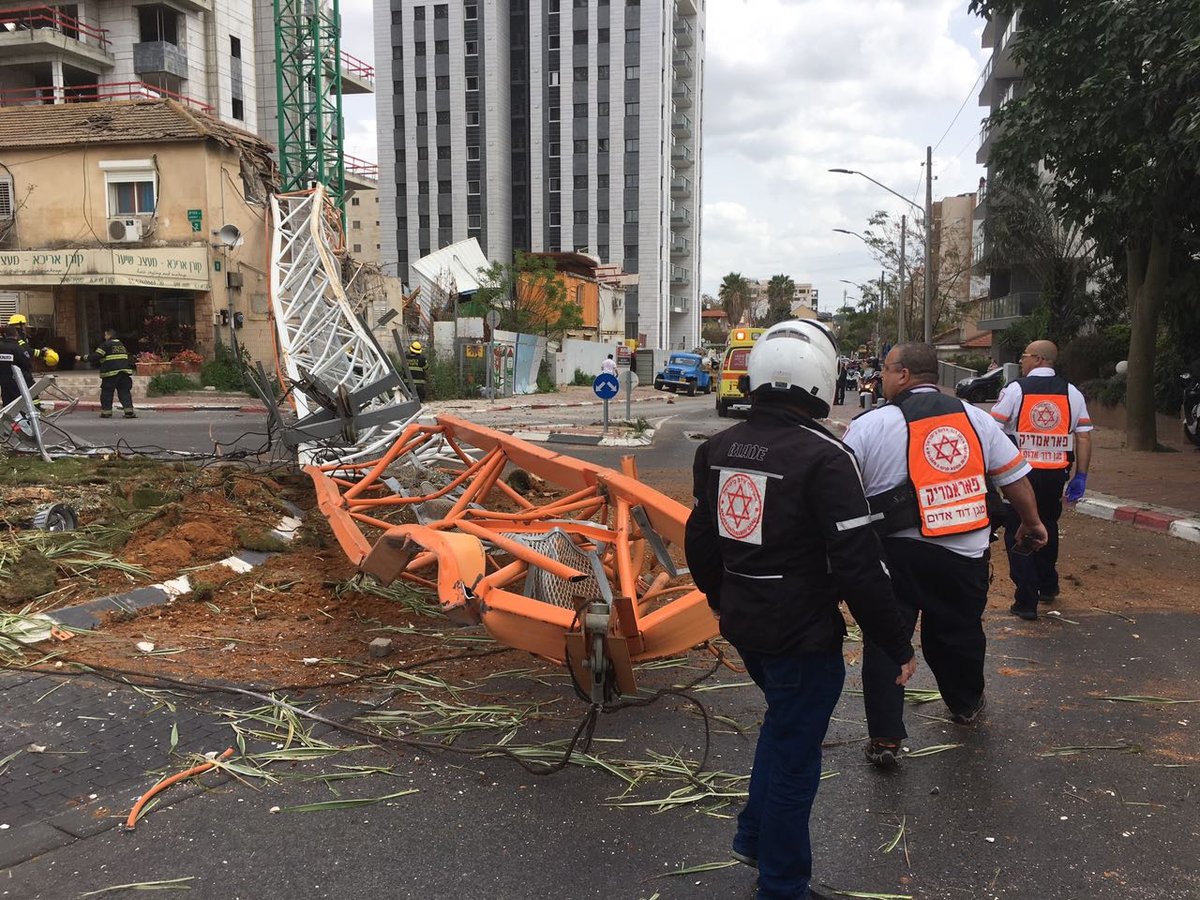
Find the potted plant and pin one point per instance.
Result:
(187, 361)
(152, 364)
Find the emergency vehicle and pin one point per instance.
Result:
(733, 366)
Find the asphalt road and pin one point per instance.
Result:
(1060, 794)
(201, 431)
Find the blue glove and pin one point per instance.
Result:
(1076, 486)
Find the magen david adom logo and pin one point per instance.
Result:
(946, 449)
(1045, 415)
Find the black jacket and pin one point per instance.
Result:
(815, 543)
(113, 359)
(14, 358)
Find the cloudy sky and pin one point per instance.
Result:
(796, 87)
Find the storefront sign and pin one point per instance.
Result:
(181, 268)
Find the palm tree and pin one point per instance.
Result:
(780, 291)
(734, 294)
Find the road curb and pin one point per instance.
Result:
(91, 406)
(1163, 520)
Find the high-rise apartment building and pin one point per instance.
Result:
(548, 125)
(1014, 288)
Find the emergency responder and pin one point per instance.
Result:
(925, 460)
(780, 533)
(47, 355)
(15, 362)
(1047, 417)
(416, 367)
(116, 371)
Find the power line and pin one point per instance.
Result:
(961, 107)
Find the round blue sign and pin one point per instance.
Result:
(606, 386)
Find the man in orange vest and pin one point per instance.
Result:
(1047, 418)
(926, 460)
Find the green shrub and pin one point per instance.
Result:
(441, 379)
(227, 370)
(171, 383)
(545, 380)
(974, 361)
(1092, 356)
(582, 378)
(1105, 391)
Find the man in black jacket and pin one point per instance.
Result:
(116, 374)
(780, 533)
(15, 362)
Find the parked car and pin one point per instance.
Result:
(684, 372)
(982, 388)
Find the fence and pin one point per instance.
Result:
(949, 374)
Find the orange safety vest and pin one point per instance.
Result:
(945, 465)
(1044, 422)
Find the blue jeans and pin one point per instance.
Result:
(801, 692)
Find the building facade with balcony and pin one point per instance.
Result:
(1013, 289)
(113, 221)
(549, 126)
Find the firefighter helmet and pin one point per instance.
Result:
(17, 319)
(415, 347)
(50, 357)
(797, 357)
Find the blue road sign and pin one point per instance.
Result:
(606, 386)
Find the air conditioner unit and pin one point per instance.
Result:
(233, 279)
(123, 231)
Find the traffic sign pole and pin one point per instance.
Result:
(606, 387)
(628, 394)
(606, 416)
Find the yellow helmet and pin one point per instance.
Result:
(17, 319)
(415, 347)
(50, 357)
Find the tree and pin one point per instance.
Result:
(780, 292)
(530, 295)
(1023, 226)
(952, 270)
(1112, 112)
(735, 298)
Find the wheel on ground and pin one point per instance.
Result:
(722, 408)
(692, 389)
(658, 385)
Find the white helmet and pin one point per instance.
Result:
(797, 356)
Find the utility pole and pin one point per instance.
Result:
(928, 245)
(879, 314)
(901, 336)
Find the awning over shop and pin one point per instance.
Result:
(177, 268)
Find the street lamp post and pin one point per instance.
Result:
(900, 299)
(927, 215)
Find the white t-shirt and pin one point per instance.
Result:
(1008, 404)
(880, 441)
(609, 367)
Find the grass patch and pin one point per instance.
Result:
(264, 541)
(170, 383)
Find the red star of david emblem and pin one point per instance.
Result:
(739, 505)
(947, 450)
(1044, 416)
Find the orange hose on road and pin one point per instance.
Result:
(131, 822)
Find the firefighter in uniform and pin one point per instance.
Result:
(116, 374)
(15, 363)
(780, 533)
(1048, 418)
(416, 366)
(47, 355)
(926, 459)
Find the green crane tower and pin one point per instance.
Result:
(308, 79)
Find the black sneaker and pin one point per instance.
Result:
(1028, 614)
(744, 858)
(882, 754)
(130, 414)
(1047, 596)
(971, 717)
(106, 415)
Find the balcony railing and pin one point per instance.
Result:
(681, 93)
(1011, 306)
(361, 167)
(681, 156)
(680, 246)
(357, 67)
(1014, 26)
(681, 186)
(681, 218)
(681, 124)
(683, 33)
(95, 93)
(682, 60)
(679, 275)
(32, 18)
